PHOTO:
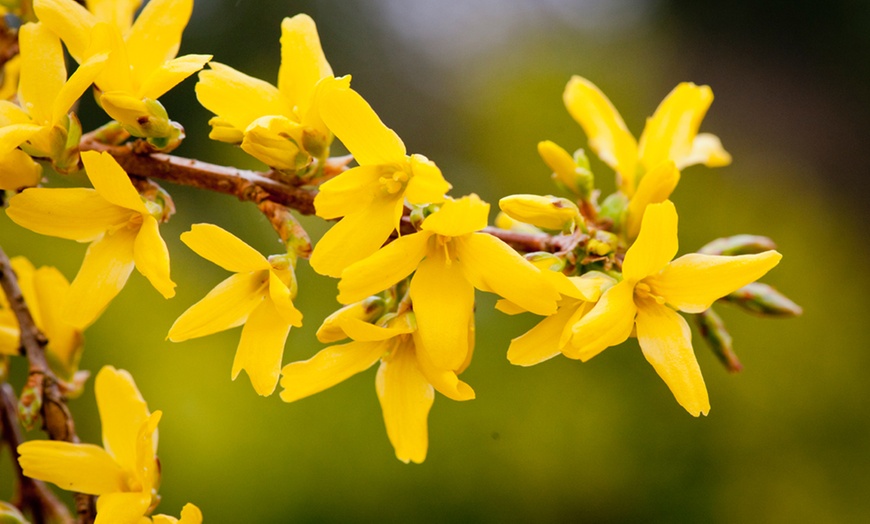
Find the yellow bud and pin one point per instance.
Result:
(366, 310)
(547, 212)
(276, 141)
(223, 131)
(144, 118)
(569, 173)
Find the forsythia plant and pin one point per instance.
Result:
(408, 255)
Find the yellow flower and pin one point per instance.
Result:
(45, 290)
(143, 65)
(371, 196)
(653, 287)
(406, 379)
(451, 259)
(9, 82)
(259, 295)
(124, 473)
(671, 134)
(190, 514)
(41, 125)
(279, 126)
(119, 224)
(548, 212)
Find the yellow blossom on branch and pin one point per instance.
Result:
(259, 295)
(654, 287)
(121, 227)
(279, 126)
(370, 197)
(406, 379)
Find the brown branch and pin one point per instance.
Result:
(8, 44)
(56, 417)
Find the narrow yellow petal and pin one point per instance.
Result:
(68, 20)
(494, 267)
(122, 412)
(64, 341)
(72, 213)
(111, 181)
(152, 257)
(427, 184)
(608, 135)
(11, 113)
(43, 71)
(656, 242)
(390, 264)
(302, 61)
(226, 306)
(458, 217)
(84, 468)
(443, 301)
(355, 123)
(116, 12)
(655, 187)
(169, 74)
(13, 135)
(608, 324)
(261, 348)
(706, 149)
(155, 36)
(218, 245)
(406, 398)
(73, 89)
(282, 298)
(190, 514)
(107, 265)
(116, 508)
(693, 282)
(666, 341)
(542, 341)
(327, 368)
(349, 192)
(669, 134)
(237, 98)
(444, 381)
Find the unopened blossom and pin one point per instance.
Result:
(259, 295)
(281, 125)
(370, 197)
(654, 287)
(121, 227)
(450, 258)
(406, 381)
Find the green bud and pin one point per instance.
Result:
(614, 208)
(738, 245)
(9, 514)
(144, 118)
(764, 300)
(29, 405)
(112, 133)
(713, 330)
(602, 243)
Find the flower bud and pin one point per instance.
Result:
(602, 243)
(713, 330)
(614, 208)
(570, 174)
(503, 221)
(368, 310)
(764, 300)
(275, 141)
(144, 118)
(547, 212)
(291, 232)
(223, 131)
(30, 404)
(738, 245)
(546, 261)
(9, 514)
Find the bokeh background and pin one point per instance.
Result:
(474, 86)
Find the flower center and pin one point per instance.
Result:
(642, 291)
(394, 183)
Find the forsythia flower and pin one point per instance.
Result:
(125, 472)
(45, 291)
(260, 296)
(371, 196)
(279, 126)
(119, 224)
(406, 378)
(41, 125)
(451, 259)
(143, 64)
(653, 286)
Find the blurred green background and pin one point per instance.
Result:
(474, 86)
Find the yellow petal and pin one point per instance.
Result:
(170, 73)
(666, 341)
(236, 97)
(72, 213)
(656, 186)
(406, 398)
(64, 341)
(355, 123)
(547, 212)
(117, 508)
(349, 192)
(706, 149)
(355, 237)
(276, 141)
(302, 61)
(116, 12)
(43, 71)
(11, 113)
(18, 170)
(12, 136)
(68, 20)
(226, 306)
(10, 336)
(282, 298)
(693, 282)
(11, 72)
(669, 134)
(444, 381)
(83, 77)
(427, 184)
(218, 245)
(261, 348)
(542, 341)
(493, 266)
(458, 217)
(190, 514)
(152, 257)
(83, 468)
(443, 302)
(656, 242)
(608, 324)
(117, 75)
(155, 36)
(589, 286)
(122, 412)
(105, 269)
(390, 264)
(147, 470)
(111, 181)
(327, 368)
(608, 135)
